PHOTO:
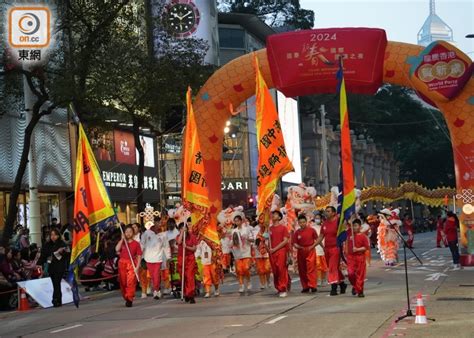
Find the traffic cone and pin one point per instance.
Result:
(420, 311)
(23, 304)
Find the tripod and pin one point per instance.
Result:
(409, 313)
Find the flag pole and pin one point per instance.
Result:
(182, 270)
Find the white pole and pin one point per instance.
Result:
(182, 269)
(33, 217)
(454, 203)
(130, 254)
(324, 148)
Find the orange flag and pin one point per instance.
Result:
(194, 185)
(92, 208)
(273, 161)
(195, 193)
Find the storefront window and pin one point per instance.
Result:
(49, 208)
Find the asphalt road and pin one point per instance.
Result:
(262, 314)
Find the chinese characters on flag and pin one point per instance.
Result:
(273, 161)
(195, 193)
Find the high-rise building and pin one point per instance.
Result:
(434, 29)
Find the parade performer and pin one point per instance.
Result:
(358, 244)
(261, 254)
(130, 255)
(156, 251)
(187, 245)
(373, 221)
(387, 236)
(321, 264)
(226, 245)
(304, 240)
(331, 250)
(241, 248)
(439, 232)
(408, 226)
(279, 250)
(209, 271)
(451, 227)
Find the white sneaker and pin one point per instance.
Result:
(282, 294)
(156, 294)
(207, 295)
(217, 293)
(241, 289)
(144, 295)
(262, 287)
(249, 286)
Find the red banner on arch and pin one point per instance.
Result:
(306, 62)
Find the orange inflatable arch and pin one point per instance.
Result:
(235, 82)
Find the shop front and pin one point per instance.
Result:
(118, 160)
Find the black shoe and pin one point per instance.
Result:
(354, 292)
(87, 289)
(314, 290)
(361, 295)
(305, 291)
(333, 290)
(128, 303)
(187, 299)
(343, 287)
(192, 301)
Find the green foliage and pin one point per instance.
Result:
(399, 122)
(275, 13)
(106, 66)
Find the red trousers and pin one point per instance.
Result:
(411, 238)
(280, 270)
(307, 268)
(332, 258)
(155, 273)
(189, 272)
(356, 269)
(127, 279)
(439, 238)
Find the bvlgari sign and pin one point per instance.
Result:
(235, 185)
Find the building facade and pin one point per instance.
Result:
(373, 165)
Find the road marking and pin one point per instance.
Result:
(235, 325)
(234, 283)
(273, 321)
(294, 280)
(66, 328)
(160, 316)
(435, 276)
